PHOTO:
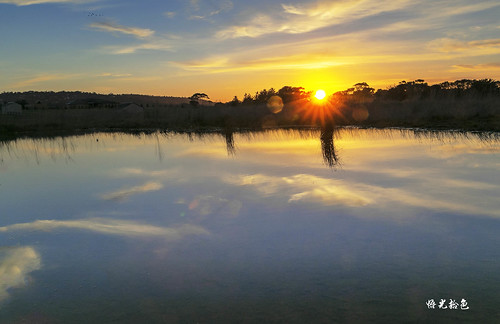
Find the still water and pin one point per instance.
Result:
(284, 226)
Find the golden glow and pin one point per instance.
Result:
(320, 94)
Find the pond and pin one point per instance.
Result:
(277, 226)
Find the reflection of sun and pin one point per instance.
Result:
(320, 94)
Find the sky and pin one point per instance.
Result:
(230, 47)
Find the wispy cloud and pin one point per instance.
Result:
(15, 265)
(477, 67)
(455, 45)
(212, 10)
(42, 78)
(169, 14)
(220, 64)
(33, 2)
(114, 75)
(153, 44)
(112, 227)
(296, 19)
(116, 28)
(127, 192)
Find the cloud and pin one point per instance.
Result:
(476, 67)
(33, 2)
(127, 192)
(113, 27)
(212, 10)
(226, 64)
(169, 14)
(446, 45)
(112, 227)
(15, 265)
(195, 4)
(296, 19)
(42, 78)
(465, 8)
(114, 75)
(153, 44)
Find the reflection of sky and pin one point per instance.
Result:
(137, 209)
(386, 171)
(379, 170)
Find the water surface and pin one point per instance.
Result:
(286, 226)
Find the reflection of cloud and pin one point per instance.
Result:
(206, 204)
(330, 192)
(113, 27)
(111, 226)
(125, 193)
(304, 187)
(15, 264)
(142, 172)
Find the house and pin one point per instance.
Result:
(89, 103)
(12, 108)
(130, 108)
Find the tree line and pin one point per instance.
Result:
(405, 90)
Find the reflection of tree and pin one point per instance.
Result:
(327, 146)
(228, 134)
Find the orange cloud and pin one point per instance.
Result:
(112, 27)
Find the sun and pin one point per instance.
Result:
(320, 94)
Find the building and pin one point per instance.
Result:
(130, 108)
(91, 103)
(12, 108)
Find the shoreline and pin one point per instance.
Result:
(469, 118)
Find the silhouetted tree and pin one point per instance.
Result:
(289, 94)
(195, 98)
(235, 101)
(247, 99)
(362, 90)
(485, 87)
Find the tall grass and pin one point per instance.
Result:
(464, 113)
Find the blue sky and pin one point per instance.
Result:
(229, 47)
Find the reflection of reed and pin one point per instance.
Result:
(159, 151)
(63, 146)
(327, 146)
(33, 149)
